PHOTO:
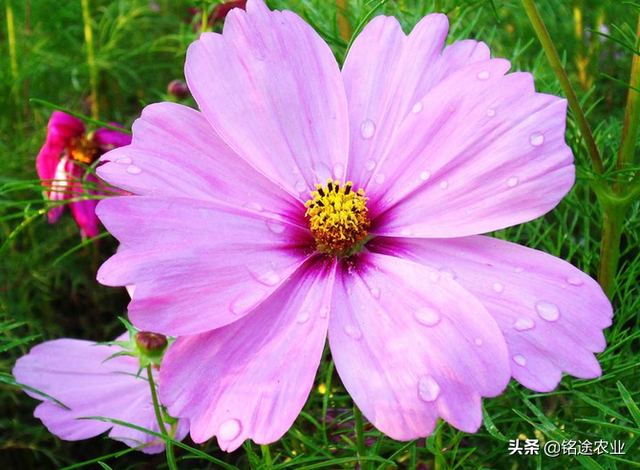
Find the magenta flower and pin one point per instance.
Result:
(64, 158)
(227, 248)
(79, 375)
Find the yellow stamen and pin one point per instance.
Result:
(338, 217)
(83, 150)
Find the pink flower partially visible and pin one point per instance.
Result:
(424, 317)
(79, 375)
(67, 151)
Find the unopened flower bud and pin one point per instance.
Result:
(151, 343)
(178, 89)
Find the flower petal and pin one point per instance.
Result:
(386, 73)
(75, 373)
(176, 153)
(486, 153)
(84, 212)
(411, 345)
(270, 86)
(60, 130)
(551, 313)
(197, 265)
(109, 139)
(249, 380)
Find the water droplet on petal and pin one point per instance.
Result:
(353, 332)
(444, 184)
(520, 360)
(370, 165)
(375, 292)
(574, 281)
(547, 310)
(133, 170)
(246, 302)
(338, 170)
(536, 139)
(511, 182)
(269, 278)
(519, 270)
(367, 129)
(253, 206)
(483, 75)
(229, 430)
(303, 317)
(380, 178)
(124, 160)
(425, 175)
(523, 324)
(416, 108)
(497, 287)
(406, 232)
(427, 316)
(323, 312)
(478, 341)
(428, 389)
(275, 226)
(491, 112)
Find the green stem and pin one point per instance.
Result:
(439, 462)
(91, 59)
(11, 38)
(171, 459)
(437, 6)
(565, 83)
(205, 18)
(631, 117)
(612, 224)
(266, 454)
(360, 443)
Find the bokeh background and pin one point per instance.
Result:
(47, 273)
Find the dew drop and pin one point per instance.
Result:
(338, 170)
(323, 312)
(246, 302)
(428, 389)
(491, 112)
(375, 292)
(478, 341)
(133, 170)
(425, 175)
(124, 160)
(519, 359)
(303, 317)
(367, 129)
(519, 270)
(353, 332)
(536, 139)
(574, 281)
(444, 184)
(523, 324)
(547, 310)
(511, 182)
(370, 165)
(416, 108)
(427, 316)
(483, 75)
(229, 430)
(253, 206)
(269, 278)
(497, 287)
(275, 226)
(380, 178)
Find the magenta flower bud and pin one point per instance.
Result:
(178, 89)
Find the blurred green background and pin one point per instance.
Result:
(47, 278)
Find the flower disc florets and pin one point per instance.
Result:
(338, 218)
(83, 149)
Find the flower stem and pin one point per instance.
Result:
(631, 117)
(91, 59)
(439, 461)
(360, 444)
(171, 459)
(612, 224)
(11, 38)
(565, 83)
(266, 454)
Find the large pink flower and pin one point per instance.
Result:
(80, 375)
(62, 163)
(424, 317)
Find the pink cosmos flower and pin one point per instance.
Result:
(79, 374)
(64, 157)
(228, 250)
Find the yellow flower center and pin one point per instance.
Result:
(83, 150)
(338, 218)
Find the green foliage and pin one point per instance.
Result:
(47, 275)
